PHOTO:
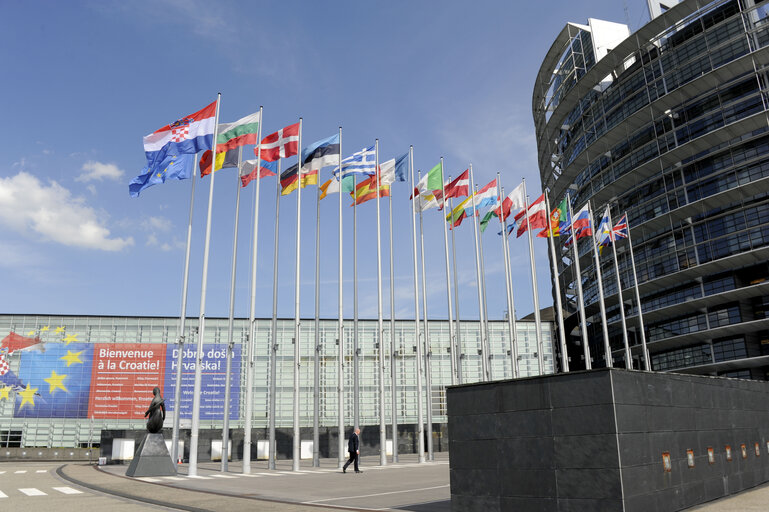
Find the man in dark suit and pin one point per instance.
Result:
(353, 446)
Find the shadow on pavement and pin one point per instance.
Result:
(433, 506)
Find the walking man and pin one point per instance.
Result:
(353, 446)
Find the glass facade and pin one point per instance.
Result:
(94, 373)
(670, 127)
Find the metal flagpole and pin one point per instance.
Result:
(230, 321)
(340, 335)
(297, 322)
(647, 363)
(578, 279)
(393, 351)
(483, 291)
(484, 352)
(380, 323)
(556, 281)
(535, 292)
(621, 303)
(428, 351)
(316, 365)
(274, 330)
(250, 348)
(601, 305)
(452, 351)
(508, 285)
(457, 333)
(417, 334)
(193, 465)
(356, 354)
(180, 335)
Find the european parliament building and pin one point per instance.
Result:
(669, 124)
(67, 378)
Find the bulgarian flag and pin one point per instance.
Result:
(231, 136)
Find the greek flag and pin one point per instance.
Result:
(362, 162)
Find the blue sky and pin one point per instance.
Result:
(84, 81)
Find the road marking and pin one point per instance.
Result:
(67, 490)
(148, 479)
(20, 472)
(222, 476)
(377, 494)
(41, 471)
(3, 495)
(31, 491)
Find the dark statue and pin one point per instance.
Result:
(156, 413)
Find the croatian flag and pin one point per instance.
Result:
(188, 135)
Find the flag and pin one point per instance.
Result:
(510, 229)
(486, 196)
(557, 218)
(289, 179)
(329, 187)
(320, 154)
(581, 224)
(361, 162)
(603, 236)
(281, 144)
(402, 167)
(173, 167)
(434, 179)
(187, 135)
(536, 217)
(14, 342)
(459, 213)
(248, 170)
(366, 190)
(487, 218)
(620, 229)
(223, 159)
(460, 187)
(513, 202)
(242, 132)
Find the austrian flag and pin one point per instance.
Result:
(281, 144)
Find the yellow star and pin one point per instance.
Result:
(28, 396)
(72, 357)
(43, 329)
(60, 329)
(55, 382)
(5, 392)
(69, 338)
(31, 333)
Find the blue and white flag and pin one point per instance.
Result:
(320, 154)
(173, 167)
(362, 162)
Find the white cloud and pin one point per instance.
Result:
(156, 226)
(99, 171)
(53, 212)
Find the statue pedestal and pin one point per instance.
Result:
(152, 458)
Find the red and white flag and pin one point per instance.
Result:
(537, 216)
(14, 342)
(460, 187)
(281, 144)
(513, 202)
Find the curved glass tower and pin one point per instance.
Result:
(670, 125)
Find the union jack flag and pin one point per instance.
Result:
(620, 229)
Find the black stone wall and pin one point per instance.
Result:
(593, 441)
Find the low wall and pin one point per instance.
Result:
(48, 454)
(605, 440)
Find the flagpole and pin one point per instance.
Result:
(356, 358)
(417, 338)
(479, 285)
(621, 303)
(193, 465)
(340, 335)
(556, 281)
(508, 285)
(252, 313)
(380, 323)
(647, 363)
(297, 322)
(230, 320)
(452, 346)
(535, 292)
(180, 334)
(601, 305)
(483, 290)
(428, 351)
(578, 279)
(393, 353)
(274, 328)
(458, 326)
(316, 366)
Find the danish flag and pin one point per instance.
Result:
(281, 144)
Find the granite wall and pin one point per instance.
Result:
(594, 441)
